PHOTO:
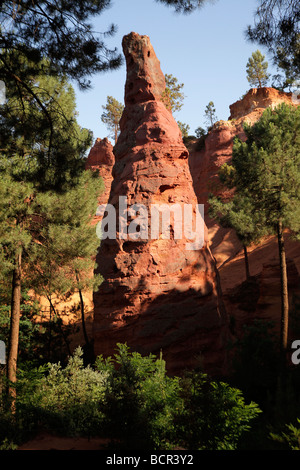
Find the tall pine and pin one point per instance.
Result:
(266, 172)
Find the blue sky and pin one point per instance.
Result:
(206, 50)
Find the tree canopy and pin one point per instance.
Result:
(265, 171)
(173, 95)
(277, 27)
(112, 113)
(256, 68)
(60, 31)
(184, 6)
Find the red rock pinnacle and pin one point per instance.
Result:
(157, 295)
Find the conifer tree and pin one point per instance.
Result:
(238, 214)
(34, 158)
(256, 69)
(265, 172)
(64, 255)
(210, 114)
(276, 26)
(112, 113)
(173, 95)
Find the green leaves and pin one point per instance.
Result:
(60, 31)
(111, 116)
(267, 166)
(41, 140)
(256, 69)
(173, 96)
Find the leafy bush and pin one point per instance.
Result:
(291, 438)
(129, 399)
(65, 400)
(139, 400)
(213, 416)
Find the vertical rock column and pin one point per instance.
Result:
(102, 159)
(157, 295)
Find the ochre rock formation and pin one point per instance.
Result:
(260, 298)
(101, 158)
(206, 156)
(157, 296)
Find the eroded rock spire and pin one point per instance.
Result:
(157, 295)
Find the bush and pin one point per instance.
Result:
(65, 400)
(129, 399)
(139, 400)
(213, 415)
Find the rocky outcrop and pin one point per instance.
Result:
(255, 101)
(206, 157)
(260, 298)
(157, 295)
(101, 158)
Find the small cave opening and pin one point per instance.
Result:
(165, 187)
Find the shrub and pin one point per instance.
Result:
(213, 416)
(139, 400)
(66, 400)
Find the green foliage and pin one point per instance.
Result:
(276, 26)
(255, 361)
(184, 6)
(130, 399)
(214, 415)
(60, 31)
(238, 214)
(65, 399)
(139, 399)
(111, 116)
(210, 114)
(67, 241)
(41, 142)
(266, 168)
(184, 128)
(200, 132)
(173, 96)
(256, 69)
(291, 438)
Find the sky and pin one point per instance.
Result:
(206, 51)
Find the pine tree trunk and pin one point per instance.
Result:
(284, 290)
(14, 323)
(246, 263)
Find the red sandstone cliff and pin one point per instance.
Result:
(261, 299)
(102, 159)
(157, 295)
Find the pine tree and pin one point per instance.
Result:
(66, 245)
(256, 69)
(173, 96)
(276, 26)
(210, 114)
(111, 116)
(266, 172)
(238, 214)
(40, 139)
(34, 158)
(59, 31)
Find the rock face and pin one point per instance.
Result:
(207, 156)
(205, 159)
(157, 295)
(101, 158)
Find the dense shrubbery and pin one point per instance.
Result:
(130, 399)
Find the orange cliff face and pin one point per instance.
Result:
(261, 298)
(157, 295)
(102, 159)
